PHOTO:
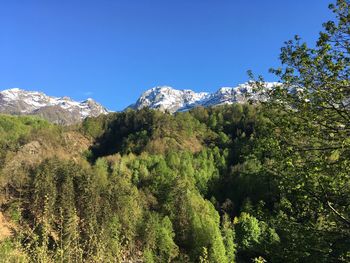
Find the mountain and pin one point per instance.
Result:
(61, 110)
(166, 98)
(66, 111)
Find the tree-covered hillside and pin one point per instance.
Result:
(267, 182)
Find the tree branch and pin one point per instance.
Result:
(345, 220)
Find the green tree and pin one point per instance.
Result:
(306, 144)
(228, 235)
(196, 222)
(158, 237)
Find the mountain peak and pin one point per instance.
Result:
(12, 90)
(62, 110)
(169, 99)
(166, 98)
(161, 88)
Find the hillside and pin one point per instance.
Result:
(255, 173)
(146, 185)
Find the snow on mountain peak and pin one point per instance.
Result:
(173, 100)
(18, 101)
(168, 98)
(165, 98)
(12, 90)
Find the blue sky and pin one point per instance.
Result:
(113, 50)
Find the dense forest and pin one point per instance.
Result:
(255, 182)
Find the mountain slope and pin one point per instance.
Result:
(58, 110)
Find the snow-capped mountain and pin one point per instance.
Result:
(62, 110)
(166, 98)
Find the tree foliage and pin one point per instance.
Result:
(264, 182)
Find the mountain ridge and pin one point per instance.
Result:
(64, 110)
(166, 98)
(60, 110)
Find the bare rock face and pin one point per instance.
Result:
(166, 98)
(58, 110)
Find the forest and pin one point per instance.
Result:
(255, 182)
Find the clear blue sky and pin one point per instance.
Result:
(113, 50)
